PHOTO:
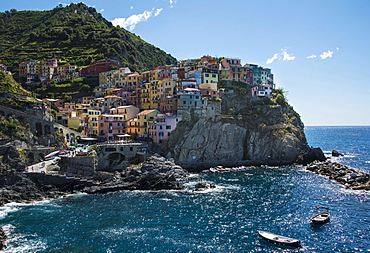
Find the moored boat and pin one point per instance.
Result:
(320, 218)
(279, 239)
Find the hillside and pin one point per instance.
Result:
(76, 34)
(8, 84)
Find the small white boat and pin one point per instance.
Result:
(279, 239)
(321, 218)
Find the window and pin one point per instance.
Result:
(168, 127)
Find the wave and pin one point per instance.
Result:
(10, 207)
(22, 243)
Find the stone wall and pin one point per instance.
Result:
(46, 179)
(84, 166)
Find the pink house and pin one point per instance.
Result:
(163, 125)
(112, 126)
(262, 91)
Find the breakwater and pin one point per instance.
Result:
(350, 178)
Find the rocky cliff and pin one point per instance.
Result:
(247, 132)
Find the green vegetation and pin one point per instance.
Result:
(279, 95)
(7, 83)
(76, 34)
(11, 128)
(67, 90)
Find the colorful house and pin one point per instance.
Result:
(162, 126)
(97, 67)
(127, 111)
(112, 126)
(262, 91)
(143, 119)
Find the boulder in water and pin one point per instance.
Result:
(336, 153)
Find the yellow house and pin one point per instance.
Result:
(224, 75)
(143, 119)
(91, 121)
(75, 122)
(153, 95)
(130, 81)
(145, 96)
(132, 127)
(209, 75)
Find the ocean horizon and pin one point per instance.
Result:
(224, 219)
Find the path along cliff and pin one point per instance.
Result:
(243, 131)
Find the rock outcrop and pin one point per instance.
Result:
(310, 155)
(336, 153)
(156, 173)
(246, 132)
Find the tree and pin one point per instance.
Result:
(85, 88)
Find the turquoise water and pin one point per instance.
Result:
(224, 219)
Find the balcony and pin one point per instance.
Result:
(114, 120)
(116, 127)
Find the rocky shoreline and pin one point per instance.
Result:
(156, 173)
(348, 177)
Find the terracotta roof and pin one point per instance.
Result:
(146, 112)
(111, 96)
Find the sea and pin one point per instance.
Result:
(280, 200)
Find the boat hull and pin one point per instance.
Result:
(279, 240)
(321, 218)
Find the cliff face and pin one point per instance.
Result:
(246, 133)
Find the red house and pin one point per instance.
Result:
(98, 67)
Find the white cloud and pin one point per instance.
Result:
(172, 2)
(131, 7)
(287, 57)
(63, 4)
(130, 22)
(337, 48)
(311, 56)
(283, 56)
(272, 59)
(157, 12)
(102, 10)
(325, 55)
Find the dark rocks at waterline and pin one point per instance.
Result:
(18, 187)
(3, 238)
(336, 153)
(203, 186)
(342, 174)
(308, 156)
(156, 173)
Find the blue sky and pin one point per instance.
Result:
(319, 51)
